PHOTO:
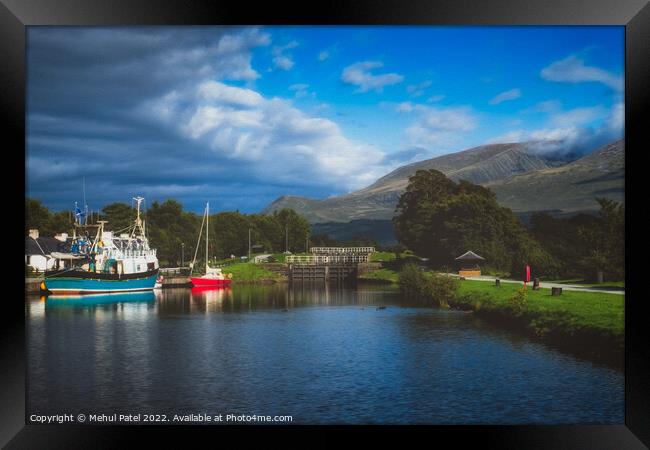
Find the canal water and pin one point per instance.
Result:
(323, 355)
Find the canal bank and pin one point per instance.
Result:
(584, 322)
(587, 324)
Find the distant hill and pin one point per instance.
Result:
(568, 188)
(488, 165)
(380, 230)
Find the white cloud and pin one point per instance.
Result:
(405, 107)
(211, 90)
(573, 70)
(440, 126)
(505, 96)
(547, 106)
(280, 59)
(573, 130)
(322, 56)
(510, 136)
(359, 74)
(301, 90)
(435, 98)
(578, 116)
(273, 137)
(417, 90)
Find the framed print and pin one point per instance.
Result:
(407, 217)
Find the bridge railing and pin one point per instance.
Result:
(341, 250)
(326, 259)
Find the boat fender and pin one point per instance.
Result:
(229, 276)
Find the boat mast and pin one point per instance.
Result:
(138, 221)
(207, 232)
(198, 242)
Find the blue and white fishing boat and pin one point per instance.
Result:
(105, 262)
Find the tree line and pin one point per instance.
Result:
(440, 219)
(175, 232)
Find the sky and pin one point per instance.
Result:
(239, 116)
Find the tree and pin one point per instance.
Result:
(295, 226)
(440, 219)
(230, 232)
(562, 238)
(604, 241)
(168, 226)
(38, 216)
(118, 215)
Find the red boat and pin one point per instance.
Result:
(213, 276)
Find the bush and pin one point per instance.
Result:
(442, 288)
(411, 280)
(432, 287)
(518, 300)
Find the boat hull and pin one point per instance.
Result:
(209, 282)
(88, 282)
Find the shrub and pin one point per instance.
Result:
(442, 288)
(518, 300)
(433, 288)
(411, 280)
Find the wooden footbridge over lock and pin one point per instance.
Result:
(328, 263)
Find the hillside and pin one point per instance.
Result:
(522, 180)
(568, 188)
(487, 165)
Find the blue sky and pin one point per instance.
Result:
(241, 115)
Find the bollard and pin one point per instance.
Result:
(535, 284)
(497, 282)
(556, 291)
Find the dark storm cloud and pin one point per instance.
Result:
(84, 89)
(170, 112)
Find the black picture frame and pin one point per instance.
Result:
(15, 15)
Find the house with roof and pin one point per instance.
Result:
(38, 250)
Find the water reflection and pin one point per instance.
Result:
(323, 353)
(91, 300)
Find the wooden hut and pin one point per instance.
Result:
(469, 264)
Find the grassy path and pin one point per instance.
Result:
(548, 285)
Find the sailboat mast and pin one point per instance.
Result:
(207, 232)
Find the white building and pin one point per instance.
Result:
(38, 250)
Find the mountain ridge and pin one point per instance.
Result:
(523, 179)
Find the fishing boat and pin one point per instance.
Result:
(213, 276)
(104, 262)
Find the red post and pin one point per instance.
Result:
(527, 276)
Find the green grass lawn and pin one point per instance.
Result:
(572, 310)
(382, 256)
(247, 272)
(381, 275)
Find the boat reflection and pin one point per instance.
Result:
(209, 298)
(82, 301)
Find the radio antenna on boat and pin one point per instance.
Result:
(85, 204)
(138, 221)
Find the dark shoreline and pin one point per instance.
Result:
(586, 344)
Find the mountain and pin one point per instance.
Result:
(380, 230)
(482, 165)
(568, 188)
